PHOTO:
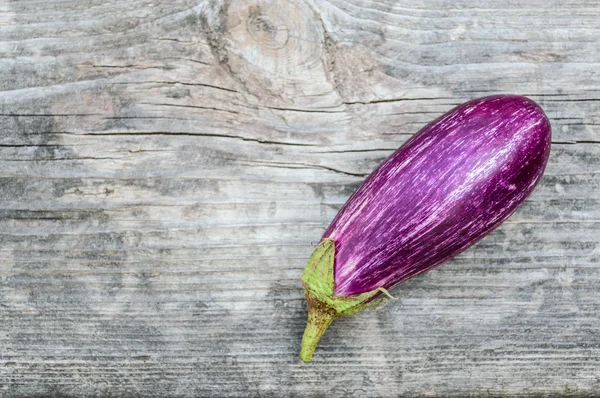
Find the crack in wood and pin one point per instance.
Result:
(289, 165)
(190, 106)
(380, 101)
(178, 83)
(179, 133)
(576, 142)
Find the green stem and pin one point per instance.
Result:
(323, 305)
(319, 319)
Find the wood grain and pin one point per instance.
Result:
(165, 166)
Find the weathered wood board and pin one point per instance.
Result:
(165, 166)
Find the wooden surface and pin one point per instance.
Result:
(165, 166)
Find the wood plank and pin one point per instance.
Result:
(165, 166)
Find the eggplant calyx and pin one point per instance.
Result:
(323, 305)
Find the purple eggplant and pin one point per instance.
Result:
(447, 187)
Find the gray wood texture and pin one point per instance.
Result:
(165, 166)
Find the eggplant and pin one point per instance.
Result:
(448, 186)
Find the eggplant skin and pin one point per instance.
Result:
(448, 186)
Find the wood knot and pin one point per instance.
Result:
(268, 30)
(281, 39)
